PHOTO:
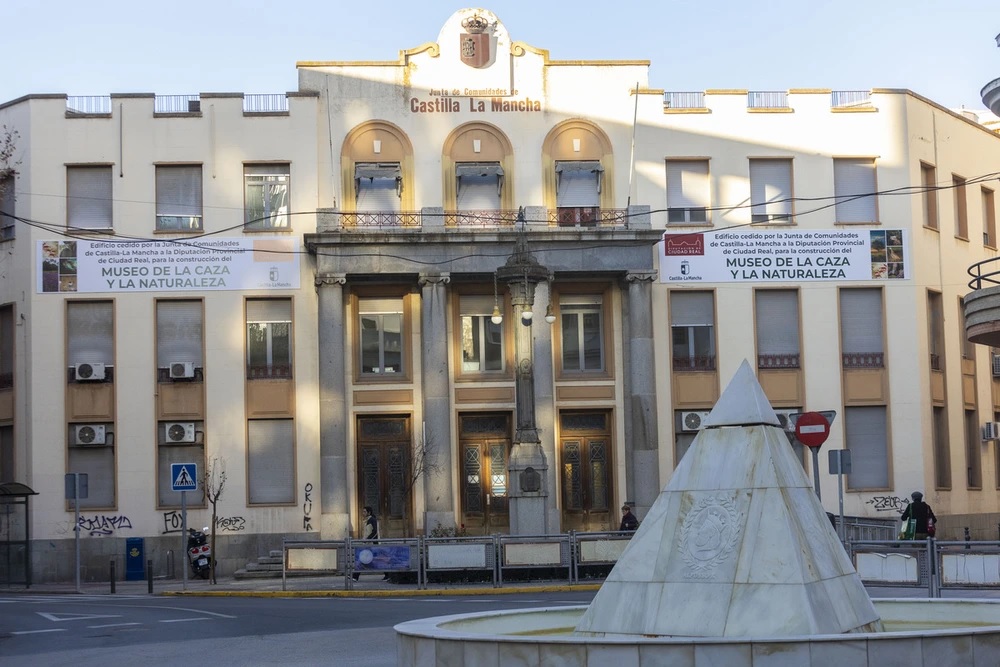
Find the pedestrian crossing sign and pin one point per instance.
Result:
(184, 476)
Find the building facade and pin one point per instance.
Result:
(480, 290)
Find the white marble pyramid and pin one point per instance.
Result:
(736, 545)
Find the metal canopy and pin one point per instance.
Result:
(16, 490)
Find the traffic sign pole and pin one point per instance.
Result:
(184, 532)
(815, 458)
(812, 429)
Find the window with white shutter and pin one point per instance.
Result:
(178, 333)
(861, 328)
(378, 186)
(687, 191)
(771, 190)
(854, 187)
(578, 191)
(479, 186)
(178, 198)
(777, 323)
(88, 197)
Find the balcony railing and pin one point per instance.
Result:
(381, 219)
(935, 362)
(864, 360)
(588, 216)
(790, 360)
(177, 104)
(705, 362)
(273, 372)
(758, 99)
(267, 103)
(89, 105)
(480, 218)
(851, 99)
(684, 100)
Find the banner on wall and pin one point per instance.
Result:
(793, 255)
(168, 266)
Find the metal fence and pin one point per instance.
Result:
(265, 103)
(927, 564)
(88, 105)
(684, 100)
(767, 99)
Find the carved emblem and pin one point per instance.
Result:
(708, 535)
(474, 45)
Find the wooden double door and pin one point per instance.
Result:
(384, 472)
(585, 472)
(484, 446)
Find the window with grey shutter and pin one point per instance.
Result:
(687, 191)
(770, 190)
(178, 198)
(854, 188)
(861, 328)
(178, 333)
(479, 186)
(777, 323)
(270, 461)
(865, 436)
(168, 453)
(378, 186)
(88, 197)
(90, 332)
(578, 184)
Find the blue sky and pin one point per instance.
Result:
(942, 49)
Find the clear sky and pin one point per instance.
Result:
(942, 49)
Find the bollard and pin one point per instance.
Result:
(968, 538)
(112, 577)
(149, 576)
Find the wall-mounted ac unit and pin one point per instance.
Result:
(783, 419)
(89, 434)
(179, 431)
(181, 370)
(88, 372)
(996, 365)
(692, 421)
(991, 431)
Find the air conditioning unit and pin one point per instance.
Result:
(783, 418)
(996, 365)
(991, 431)
(89, 434)
(88, 372)
(180, 370)
(692, 421)
(179, 431)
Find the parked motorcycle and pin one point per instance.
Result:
(199, 553)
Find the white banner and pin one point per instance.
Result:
(793, 255)
(168, 266)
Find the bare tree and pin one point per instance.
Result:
(214, 482)
(423, 462)
(8, 169)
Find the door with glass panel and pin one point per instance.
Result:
(585, 471)
(484, 445)
(384, 480)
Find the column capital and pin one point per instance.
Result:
(432, 279)
(640, 276)
(322, 279)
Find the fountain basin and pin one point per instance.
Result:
(938, 632)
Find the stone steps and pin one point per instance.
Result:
(269, 567)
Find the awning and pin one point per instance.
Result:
(588, 165)
(377, 170)
(478, 169)
(16, 489)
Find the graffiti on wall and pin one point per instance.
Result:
(103, 524)
(307, 507)
(233, 524)
(888, 503)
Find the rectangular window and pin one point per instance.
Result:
(179, 442)
(989, 219)
(854, 188)
(381, 323)
(378, 186)
(6, 346)
(578, 192)
(968, 347)
(582, 325)
(482, 340)
(961, 207)
(692, 327)
(90, 332)
(271, 461)
(942, 448)
(866, 438)
(265, 191)
(861, 328)
(935, 334)
(973, 451)
(770, 190)
(928, 180)
(88, 197)
(7, 223)
(178, 198)
(7, 453)
(479, 186)
(269, 338)
(179, 337)
(688, 191)
(777, 324)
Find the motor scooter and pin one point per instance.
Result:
(199, 553)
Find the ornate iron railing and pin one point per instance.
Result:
(704, 362)
(480, 218)
(790, 360)
(588, 216)
(381, 219)
(273, 372)
(864, 360)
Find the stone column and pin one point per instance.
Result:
(545, 412)
(436, 452)
(642, 462)
(335, 522)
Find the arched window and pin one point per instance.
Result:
(577, 169)
(477, 163)
(377, 169)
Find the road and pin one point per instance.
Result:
(102, 630)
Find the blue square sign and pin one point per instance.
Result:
(183, 476)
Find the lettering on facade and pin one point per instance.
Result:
(455, 103)
(307, 507)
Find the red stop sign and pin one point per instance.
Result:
(812, 429)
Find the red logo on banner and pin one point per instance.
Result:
(683, 244)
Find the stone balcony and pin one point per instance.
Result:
(982, 303)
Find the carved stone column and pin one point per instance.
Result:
(436, 451)
(642, 462)
(335, 522)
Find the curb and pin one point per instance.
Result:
(437, 592)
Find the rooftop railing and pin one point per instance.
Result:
(767, 99)
(88, 104)
(265, 103)
(850, 99)
(684, 100)
(177, 104)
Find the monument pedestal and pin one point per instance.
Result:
(527, 489)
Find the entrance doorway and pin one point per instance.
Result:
(384, 480)
(484, 444)
(585, 458)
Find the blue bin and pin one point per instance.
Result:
(135, 559)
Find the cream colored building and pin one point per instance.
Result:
(323, 291)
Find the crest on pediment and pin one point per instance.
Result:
(474, 43)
